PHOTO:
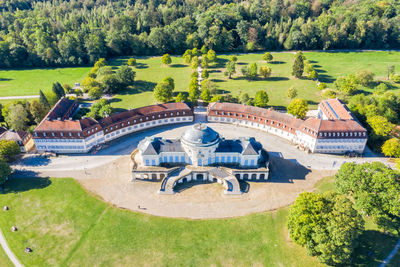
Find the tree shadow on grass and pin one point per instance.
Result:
(276, 79)
(325, 78)
(178, 66)
(277, 62)
(5, 79)
(311, 102)
(219, 63)
(140, 65)
(218, 80)
(374, 248)
(214, 71)
(17, 185)
(140, 86)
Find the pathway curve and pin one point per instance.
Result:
(391, 254)
(8, 251)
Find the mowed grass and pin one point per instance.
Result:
(4, 260)
(66, 226)
(150, 71)
(329, 66)
(19, 82)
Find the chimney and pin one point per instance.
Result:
(58, 118)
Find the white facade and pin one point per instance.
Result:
(70, 145)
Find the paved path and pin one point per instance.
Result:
(8, 251)
(391, 254)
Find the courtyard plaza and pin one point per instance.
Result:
(108, 175)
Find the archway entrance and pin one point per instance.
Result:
(199, 177)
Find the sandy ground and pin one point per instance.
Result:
(107, 174)
(112, 182)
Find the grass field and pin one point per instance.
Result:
(329, 66)
(66, 226)
(150, 71)
(16, 82)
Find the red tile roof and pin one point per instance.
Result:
(335, 109)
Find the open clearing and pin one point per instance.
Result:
(66, 226)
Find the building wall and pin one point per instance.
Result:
(84, 145)
(315, 145)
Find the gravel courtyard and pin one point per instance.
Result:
(107, 174)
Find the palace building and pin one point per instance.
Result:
(200, 154)
(59, 132)
(334, 131)
(200, 146)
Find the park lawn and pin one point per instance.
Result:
(329, 66)
(150, 71)
(64, 225)
(4, 260)
(276, 86)
(16, 82)
(4, 102)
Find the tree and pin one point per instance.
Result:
(187, 56)
(298, 66)
(321, 86)
(5, 171)
(364, 77)
(193, 92)
(261, 99)
(17, 117)
(125, 75)
(166, 59)
(267, 57)
(390, 71)
(375, 189)
(380, 125)
(43, 100)
(205, 95)
(170, 82)
(253, 71)
(265, 72)
(298, 107)
(204, 62)
(347, 85)
(88, 83)
(9, 150)
(291, 92)
(395, 77)
(100, 109)
(209, 85)
(244, 98)
(211, 55)
(111, 84)
(163, 92)
(195, 52)
(217, 98)
(203, 50)
(103, 71)
(95, 93)
(181, 97)
(38, 111)
(100, 63)
(233, 58)
(58, 90)
(195, 63)
(205, 74)
(230, 69)
(131, 62)
(391, 147)
(327, 225)
(313, 75)
(67, 88)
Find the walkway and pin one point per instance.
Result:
(391, 255)
(8, 251)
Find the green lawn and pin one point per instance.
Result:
(150, 71)
(66, 226)
(329, 66)
(15, 82)
(4, 261)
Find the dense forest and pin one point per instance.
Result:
(76, 32)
